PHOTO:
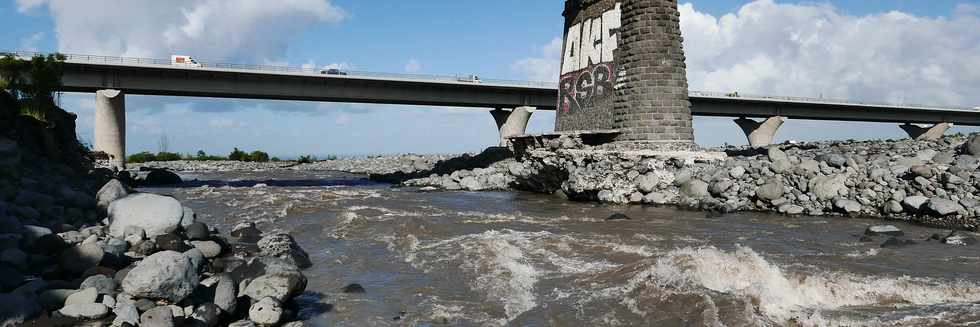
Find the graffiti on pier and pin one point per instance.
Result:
(588, 63)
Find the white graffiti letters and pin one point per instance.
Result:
(592, 42)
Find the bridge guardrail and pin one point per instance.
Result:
(94, 59)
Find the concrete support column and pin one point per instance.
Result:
(110, 126)
(511, 123)
(760, 134)
(926, 132)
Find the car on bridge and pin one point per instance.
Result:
(469, 79)
(332, 71)
(186, 61)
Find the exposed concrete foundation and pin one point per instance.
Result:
(511, 123)
(760, 134)
(110, 126)
(926, 133)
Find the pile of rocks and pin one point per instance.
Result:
(150, 263)
(927, 182)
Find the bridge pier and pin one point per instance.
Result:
(110, 126)
(511, 123)
(760, 134)
(926, 133)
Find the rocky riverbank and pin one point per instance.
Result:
(78, 247)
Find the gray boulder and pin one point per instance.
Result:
(695, 189)
(266, 311)
(284, 246)
(111, 191)
(720, 187)
(161, 177)
(84, 296)
(848, 206)
(883, 230)
(81, 257)
(163, 275)
(782, 166)
(775, 154)
(85, 311)
(101, 283)
(770, 191)
(972, 146)
(944, 207)
(126, 313)
(828, 187)
(832, 159)
(647, 183)
(155, 214)
(225, 293)
(161, 316)
(915, 202)
(280, 286)
(210, 249)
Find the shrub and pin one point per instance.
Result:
(141, 157)
(168, 156)
(238, 155)
(258, 156)
(306, 159)
(331, 157)
(275, 159)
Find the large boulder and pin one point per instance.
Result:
(972, 146)
(943, 207)
(266, 312)
(695, 189)
(770, 191)
(285, 247)
(155, 214)
(111, 191)
(829, 187)
(161, 177)
(164, 275)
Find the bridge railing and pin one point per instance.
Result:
(737, 95)
(109, 60)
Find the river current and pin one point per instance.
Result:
(522, 259)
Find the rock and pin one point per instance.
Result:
(31, 232)
(102, 283)
(189, 218)
(828, 187)
(206, 315)
(893, 207)
(88, 295)
(82, 257)
(926, 155)
(695, 189)
(16, 308)
(280, 286)
(85, 311)
(196, 257)
(126, 313)
(50, 244)
(944, 207)
(171, 242)
(116, 246)
(959, 239)
(648, 183)
(246, 232)
(225, 293)
(284, 246)
(848, 206)
(618, 216)
(161, 316)
(921, 171)
(972, 145)
(782, 166)
(111, 191)
(354, 288)
(15, 258)
(242, 323)
(210, 249)
(888, 230)
(775, 154)
(737, 172)
(163, 275)
(161, 177)
(810, 165)
(684, 176)
(770, 191)
(944, 158)
(791, 209)
(915, 202)
(10, 278)
(197, 232)
(266, 311)
(55, 298)
(895, 242)
(720, 187)
(832, 159)
(155, 214)
(655, 198)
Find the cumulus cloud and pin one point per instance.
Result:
(30, 42)
(818, 50)
(247, 30)
(546, 66)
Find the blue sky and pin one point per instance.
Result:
(731, 46)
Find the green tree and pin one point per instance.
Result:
(32, 82)
(201, 155)
(238, 155)
(258, 156)
(141, 157)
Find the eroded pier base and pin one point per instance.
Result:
(926, 132)
(762, 133)
(110, 126)
(511, 122)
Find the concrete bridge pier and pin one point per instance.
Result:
(110, 126)
(926, 132)
(512, 122)
(760, 134)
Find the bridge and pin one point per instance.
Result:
(512, 101)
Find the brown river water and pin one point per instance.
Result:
(521, 259)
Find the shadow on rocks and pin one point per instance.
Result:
(465, 162)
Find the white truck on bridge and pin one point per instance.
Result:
(185, 61)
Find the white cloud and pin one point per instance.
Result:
(248, 30)
(30, 42)
(544, 68)
(413, 66)
(813, 50)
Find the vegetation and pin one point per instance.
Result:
(306, 159)
(235, 155)
(32, 83)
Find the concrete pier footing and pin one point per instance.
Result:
(511, 122)
(760, 134)
(110, 126)
(926, 132)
